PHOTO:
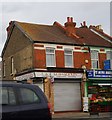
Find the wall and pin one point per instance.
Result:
(80, 57)
(20, 48)
(39, 58)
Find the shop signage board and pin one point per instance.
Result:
(49, 75)
(99, 73)
(58, 74)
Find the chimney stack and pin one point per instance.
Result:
(8, 28)
(70, 26)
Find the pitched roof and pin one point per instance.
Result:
(93, 39)
(53, 34)
(46, 33)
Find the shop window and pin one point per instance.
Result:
(68, 53)
(100, 96)
(94, 59)
(50, 57)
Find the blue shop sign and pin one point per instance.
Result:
(99, 73)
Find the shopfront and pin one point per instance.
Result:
(62, 89)
(99, 90)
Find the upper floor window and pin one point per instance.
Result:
(94, 59)
(50, 57)
(68, 58)
(109, 55)
(12, 65)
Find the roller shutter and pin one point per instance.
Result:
(67, 96)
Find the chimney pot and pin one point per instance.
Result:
(71, 19)
(84, 23)
(68, 19)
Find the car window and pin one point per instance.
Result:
(8, 96)
(28, 96)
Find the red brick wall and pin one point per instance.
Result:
(102, 57)
(59, 58)
(78, 59)
(39, 58)
(87, 56)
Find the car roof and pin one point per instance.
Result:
(24, 85)
(15, 83)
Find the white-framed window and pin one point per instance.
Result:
(4, 68)
(50, 57)
(94, 59)
(109, 55)
(12, 65)
(68, 54)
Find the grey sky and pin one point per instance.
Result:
(94, 13)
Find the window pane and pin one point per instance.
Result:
(68, 58)
(12, 99)
(50, 57)
(50, 50)
(94, 64)
(109, 55)
(94, 55)
(12, 65)
(4, 96)
(94, 59)
(4, 70)
(8, 96)
(69, 52)
(28, 96)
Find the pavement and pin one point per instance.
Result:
(85, 115)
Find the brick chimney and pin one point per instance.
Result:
(70, 27)
(8, 28)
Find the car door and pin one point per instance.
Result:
(10, 106)
(32, 106)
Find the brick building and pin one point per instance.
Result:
(54, 57)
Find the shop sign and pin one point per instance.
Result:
(51, 75)
(99, 74)
(58, 75)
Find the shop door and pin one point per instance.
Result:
(67, 96)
